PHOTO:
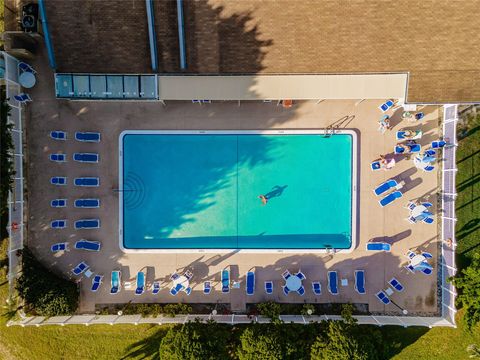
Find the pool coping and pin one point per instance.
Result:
(354, 200)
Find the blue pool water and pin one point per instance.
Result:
(200, 191)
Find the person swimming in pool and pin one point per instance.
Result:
(264, 199)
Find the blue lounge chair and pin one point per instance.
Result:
(286, 274)
(174, 290)
(86, 157)
(378, 246)
(410, 254)
(250, 283)
(269, 287)
(333, 282)
(427, 271)
(410, 268)
(317, 288)
(87, 181)
(80, 268)
(419, 116)
(188, 274)
(87, 224)
(96, 282)
(58, 224)
(58, 135)
(87, 203)
(58, 180)
(300, 275)
(427, 204)
(384, 187)
(24, 67)
(207, 287)
(396, 284)
(59, 247)
(390, 198)
(430, 152)
(22, 98)
(414, 148)
(174, 276)
(140, 283)
(438, 144)
(116, 282)
(225, 281)
(401, 135)
(387, 105)
(428, 220)
(58, 157)
(429, 168)
(87, 136)
(360, 281)
(427, 255)
(188, 290)
(58, 203)
(286, 290)
(383, 297)
(88, 245)
(156, 288)
(301, 291)
(375, 165)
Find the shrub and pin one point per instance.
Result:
(260, 343)
(6, 158)
(270, 309)
(44, 292)
(176, 309)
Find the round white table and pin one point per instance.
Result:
(181, 280)
(417, 260)
(27, 79)
(293, 283)
(418, 211)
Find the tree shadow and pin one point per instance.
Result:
(148, 347)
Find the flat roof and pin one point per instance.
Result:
(436, 44)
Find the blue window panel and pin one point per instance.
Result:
(131, 86)
(98, 86)
(64, 85)
(81, 86)
(115, 86)
(148, 89)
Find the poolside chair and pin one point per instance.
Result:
(410, 254)
(401, 135)
(430, 152)
(300, 275)
(427, 204)
(188, 290)
(24, 67)
(427, 255)
(140, 283)
(96, 282)
(86, 157)
(427, 271)
(58, 135)
(378, 246)
(301, 291)
(414, 148)
(286, 290)
(174, 290)
(250, 288)
(360, 281)
(87, 136)
(387, 105)
(63, 246)
(87, 181)
(429, 168)
(428, 220)
(390, 198)
(22, 98)
(333, 282)
(386, 186)
(438, 144)
(419, 116)
(87, 203)
(317, 288)
(225, 281)
(116, 282)
(207, 287)
(410, 205)
(80, 268)
(58, 224)
(396, 284)
(155, 288)
(410, 268)
(58, 180)
(87, 224)
(88, 245)
(58, 203)
(269, 287)
(174, 276)
(375, 165)
(286, 274)
(412, 220)
(383, 297)
(188, 274)
(58, 157)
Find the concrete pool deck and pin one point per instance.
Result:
(46, 113)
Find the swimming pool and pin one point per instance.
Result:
(199, 190)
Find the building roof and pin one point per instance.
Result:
(436, 43)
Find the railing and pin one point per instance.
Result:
(15, 196)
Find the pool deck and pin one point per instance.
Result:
(111, 118)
